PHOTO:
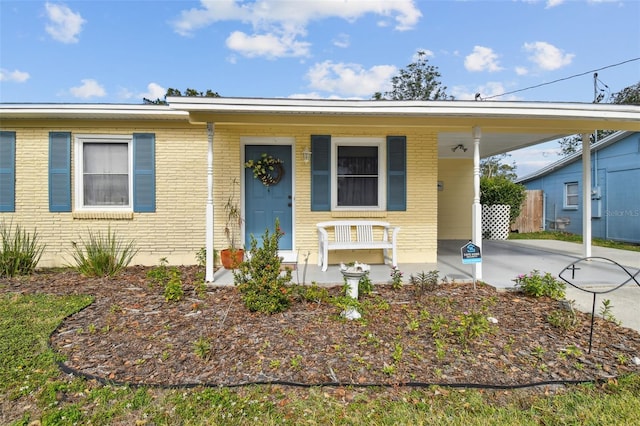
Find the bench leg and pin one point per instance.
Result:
(325, 259)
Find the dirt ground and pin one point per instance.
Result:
(131, 334)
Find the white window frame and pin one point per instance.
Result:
(566, 203)
(381, 144)
(79, 142)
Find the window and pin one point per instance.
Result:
(359, 166)
(104, 172)
(571, 195)
(358, 173)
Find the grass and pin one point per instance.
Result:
(573, 238)
(33, 390)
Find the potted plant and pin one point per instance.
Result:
(233, 255)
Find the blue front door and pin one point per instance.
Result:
(263, 204)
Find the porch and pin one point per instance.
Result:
(448, 253)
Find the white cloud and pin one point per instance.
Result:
(277, 25)
(553, 3)
(268, 45)
(154, 91)
(482, 59)
(546, 56)
(487, 90)
(64, 25)
(90, 88)
(350, 79)
(522, 71)
(15, 75)
(342, 41)
(420, 53)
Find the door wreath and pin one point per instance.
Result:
(268, 169)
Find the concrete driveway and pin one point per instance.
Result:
(504, 260)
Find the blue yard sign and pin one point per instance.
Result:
(470, 253)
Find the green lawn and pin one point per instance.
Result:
(565, 236)
(34, 390)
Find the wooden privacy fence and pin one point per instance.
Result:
(530, 219)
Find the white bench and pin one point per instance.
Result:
(339, 235)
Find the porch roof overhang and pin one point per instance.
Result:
(506, 126)
(32, 111)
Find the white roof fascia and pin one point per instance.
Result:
(92, 110)
(404, 108)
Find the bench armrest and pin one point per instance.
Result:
(391, 233)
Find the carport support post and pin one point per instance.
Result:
(209, 210)
(586, 195)
(476, 208)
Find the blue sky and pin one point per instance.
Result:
(122, 51)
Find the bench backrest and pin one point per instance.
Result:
(342, 229)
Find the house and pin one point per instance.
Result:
(615, 189)
(160, 174)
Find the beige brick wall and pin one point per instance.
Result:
(417, 240)
(175, 231)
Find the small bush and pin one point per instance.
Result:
(102, 255)
(537, 285)
(173, 291)
(263, 286)
(424, 281)
(312, 293)
(20, 253)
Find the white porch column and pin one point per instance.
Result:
(209, 209)
(476, 208)
(586, 195)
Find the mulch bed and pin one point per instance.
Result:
(131, 334)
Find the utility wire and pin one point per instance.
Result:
(563, 79)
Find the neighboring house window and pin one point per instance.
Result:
(115, 172)
(571, 195)
(350, 173)
(358, 167)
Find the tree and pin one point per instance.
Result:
(418, 81)
(175, 92)
(493, 166)
(628, 96)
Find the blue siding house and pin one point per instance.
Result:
(615, 192)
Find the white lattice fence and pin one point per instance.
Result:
(495, 221)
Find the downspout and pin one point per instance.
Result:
(586, 196)
(209, 258)
(476, 208)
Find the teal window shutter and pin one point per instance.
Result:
(321, 173)
(7, 171)
(144, 173)
(59, 172)
(396, 173)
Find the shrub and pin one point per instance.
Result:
(501, 190)
(264, 288)
(102, 255)
(173, 291)
(537, 285)
(424, 281)
(20, 253)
